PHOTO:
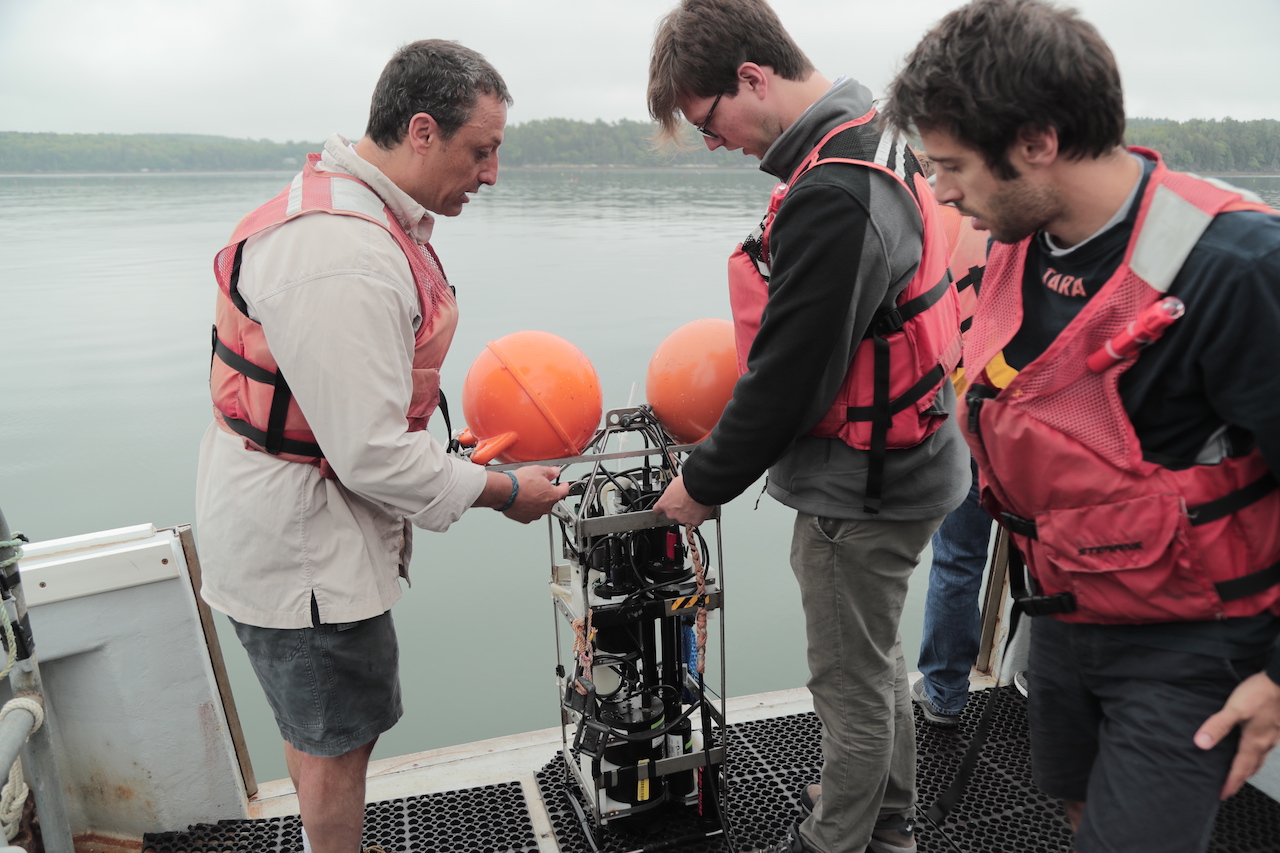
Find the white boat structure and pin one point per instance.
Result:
(141, 748)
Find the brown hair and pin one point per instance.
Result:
(699, 46)
(440, 78)
(995, 67)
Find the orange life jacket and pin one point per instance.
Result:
(1108, 536)
(967, 258)
(250, 394)
(887, 398)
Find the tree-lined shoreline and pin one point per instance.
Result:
(1205, 145)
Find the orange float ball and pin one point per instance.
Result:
(529, 396)
(691, 378)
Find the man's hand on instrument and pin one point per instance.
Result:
(676, 505)
(537, 493)
(525, 494)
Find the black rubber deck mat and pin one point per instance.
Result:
(769, 761)
(1001, 811)
(488, 819)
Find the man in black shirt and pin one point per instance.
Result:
(847, 241)
(1151, 696)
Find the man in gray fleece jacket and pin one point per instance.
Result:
(842, 247)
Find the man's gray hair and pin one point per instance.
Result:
(440, 78)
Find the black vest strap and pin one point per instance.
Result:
(1232, 590)
(1019, 525)
(279, 411)
(880, 419)
(972, 278)
(286, 445)
(975, 397)
(909, 397)
(1237, 500)
(239, 363)
(233, 287)
(451, 444)
(1250, 584)
(272, 440)
(895, 318)
(1202, 514)
(1028, 602)
(947, 800)
(882, 408)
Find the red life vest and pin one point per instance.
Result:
(886, 401)
(1108, 536)
(250, 394)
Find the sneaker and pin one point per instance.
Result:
(893, 834)
(792, 842)
(932, 715)
(809, 797)
(1020, 681)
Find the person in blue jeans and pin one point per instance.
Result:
(952, 618)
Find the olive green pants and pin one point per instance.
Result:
(853, 581)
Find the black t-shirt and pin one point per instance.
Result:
(1219, 365)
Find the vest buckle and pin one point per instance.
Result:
(1019, 525)
(1047, 605)
(975, 397)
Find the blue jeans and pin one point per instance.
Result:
(952, 616)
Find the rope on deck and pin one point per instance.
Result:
(10, 641)
(13, 797)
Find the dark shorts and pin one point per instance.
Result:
(1112, 725)
(332, 688)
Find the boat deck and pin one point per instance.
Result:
(509, 795)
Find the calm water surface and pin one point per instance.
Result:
(108, 298)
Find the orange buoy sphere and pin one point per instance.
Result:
(691, 378)
(529, 396)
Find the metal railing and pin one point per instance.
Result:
(21, 732)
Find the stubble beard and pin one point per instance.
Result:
(1021, 209)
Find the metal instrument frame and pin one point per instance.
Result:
(577, 529)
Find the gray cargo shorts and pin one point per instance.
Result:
(332, 688)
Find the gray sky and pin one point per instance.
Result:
(292, 70)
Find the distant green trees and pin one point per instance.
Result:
(1200, 145)
(108, 152)
(545, 142)
(1209, 145)
(565, 142)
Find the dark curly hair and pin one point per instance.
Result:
(994, 67)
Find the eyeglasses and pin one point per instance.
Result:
(702, 128)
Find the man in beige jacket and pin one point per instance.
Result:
(304, 550)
